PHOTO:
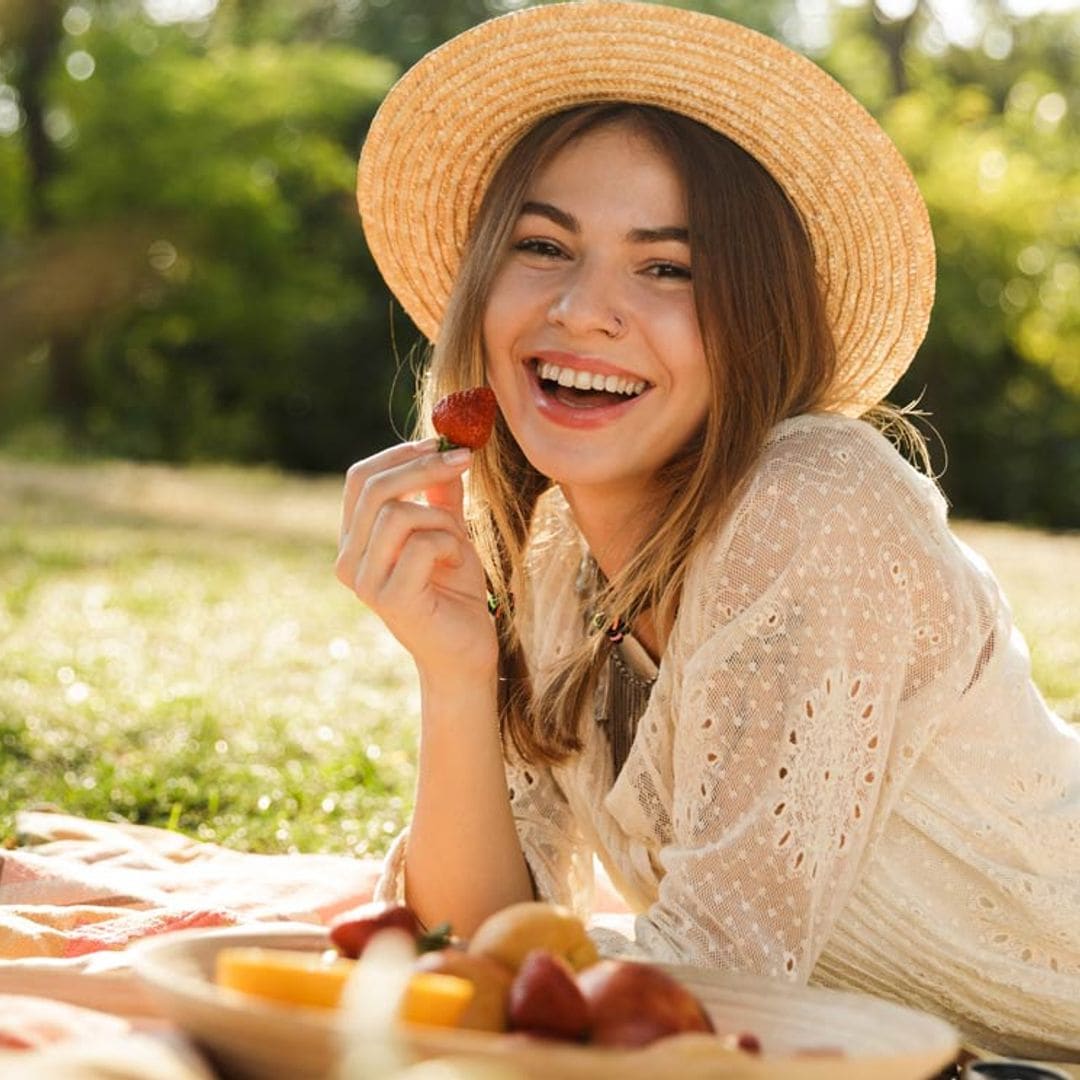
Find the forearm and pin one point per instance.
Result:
(463, 859)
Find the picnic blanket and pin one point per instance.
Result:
(78, 892)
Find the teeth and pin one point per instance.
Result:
(587, 380)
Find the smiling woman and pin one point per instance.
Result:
(597, 287)
(737, 653)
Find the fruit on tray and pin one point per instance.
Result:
(317, 980)
(351, 931)
(512, 933)
(434, 999)
(284, 975)
(490, 980)
(546, 1000)
(530, 969)
(634, 1004)
(465, 418)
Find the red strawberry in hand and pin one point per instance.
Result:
(465, 418)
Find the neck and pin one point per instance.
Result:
(613, 529)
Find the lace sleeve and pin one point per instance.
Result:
(559, 859)
(831, 636)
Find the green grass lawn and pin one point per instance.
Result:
(176, 651)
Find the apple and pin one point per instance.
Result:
(633, 1004)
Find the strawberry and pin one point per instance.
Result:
(545, 1000)
(351, 931)
(465, 418)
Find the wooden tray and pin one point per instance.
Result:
(250, 1040)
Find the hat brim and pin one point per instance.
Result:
(447, 124)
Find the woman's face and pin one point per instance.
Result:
(592, 341)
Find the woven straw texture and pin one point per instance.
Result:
(447, 124)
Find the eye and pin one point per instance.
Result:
(669, 271)
(534, 245)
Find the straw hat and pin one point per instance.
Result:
(447, 124)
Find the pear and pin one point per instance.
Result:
(513, 932)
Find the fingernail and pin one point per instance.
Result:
(457, 456)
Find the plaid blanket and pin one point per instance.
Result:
(77, 892)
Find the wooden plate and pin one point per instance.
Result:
(250, 1040)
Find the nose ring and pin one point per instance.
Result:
(617, 327)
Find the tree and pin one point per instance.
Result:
(991, 138)
(182, 272)
(199, 247)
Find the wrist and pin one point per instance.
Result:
(457, 693)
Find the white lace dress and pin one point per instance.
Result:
(844, 774)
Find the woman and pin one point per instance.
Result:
(737, 656)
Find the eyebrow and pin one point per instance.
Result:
(567, 221)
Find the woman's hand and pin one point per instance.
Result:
(405, 552)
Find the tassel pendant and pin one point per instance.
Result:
(621, 694)
(625, 700)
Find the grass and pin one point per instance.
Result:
(177, 652)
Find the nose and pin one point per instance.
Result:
(587, 302)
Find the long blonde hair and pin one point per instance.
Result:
(770, 352)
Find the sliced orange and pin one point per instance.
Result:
(285, 975)
(435, 999)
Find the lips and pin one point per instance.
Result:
(562, 390)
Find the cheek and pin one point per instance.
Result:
(675, 314)
(505, 300)
(518, 299)
(498, 340)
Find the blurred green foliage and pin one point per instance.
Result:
(993, 144)
(183, 275)
(190, 280)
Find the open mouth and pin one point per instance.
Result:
(586, 389)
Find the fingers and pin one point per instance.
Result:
(449, 497)
(398, 473)
(419, 559)
(359, 472)
(366, 559)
